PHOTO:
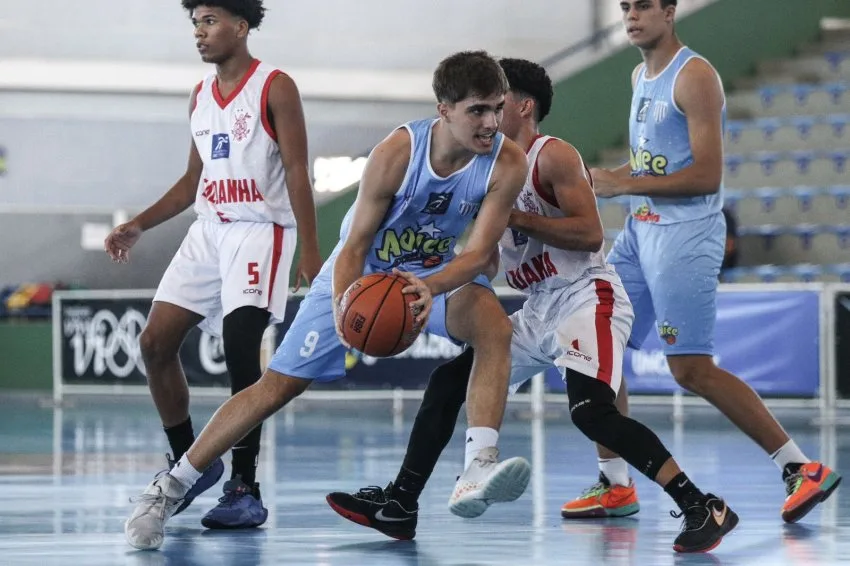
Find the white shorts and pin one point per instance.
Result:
(221, 267)
(582, 328)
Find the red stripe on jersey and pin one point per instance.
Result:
(535, 179)
(277, 251)
(604, 338)
(223, 102)
(264, 105)
(197, 91)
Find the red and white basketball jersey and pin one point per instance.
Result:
(532, 266)
(243, 177)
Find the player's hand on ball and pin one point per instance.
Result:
(120, 240)
(421, 306)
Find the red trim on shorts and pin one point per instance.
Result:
(197, 91)
(604, 338)
(535, 179)
(223, 102)
(277, 251)
(264, 105)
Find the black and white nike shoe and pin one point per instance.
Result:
(374, 507)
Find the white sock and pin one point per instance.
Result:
(615, 469)
(477, 438)
(184, 472)
(790, 453)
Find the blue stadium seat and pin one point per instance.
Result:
(835, 58)
(805, 195)
(806, 233)
(842, 270)
(768, 273)
(842, 232)
(768, 196)
(836, 91)
(841, 194)
(806, 272)
(803, 158)
(839, 158)
(768, 232)
(768, 126)
(838, 122)
(803, 124)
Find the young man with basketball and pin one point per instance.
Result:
(422, 186)
(670, 252)
(577, 317)
(248, 179)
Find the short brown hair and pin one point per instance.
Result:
(468, 73)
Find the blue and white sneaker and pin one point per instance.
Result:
(211, 476)
(241, 507)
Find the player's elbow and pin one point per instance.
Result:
(594, 237)
(708, 180)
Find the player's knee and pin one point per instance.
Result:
(691, 372)
(591, 406)
(156, 350)
(495, 334)
(278, 390)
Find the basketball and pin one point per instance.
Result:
(376, 316)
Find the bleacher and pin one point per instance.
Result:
(787, 167)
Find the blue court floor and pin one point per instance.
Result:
(66, 476)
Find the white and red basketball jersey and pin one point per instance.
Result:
(243, 177)
(532, 266)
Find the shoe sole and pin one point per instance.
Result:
(507, 484)
(731, 523)
(216, 525)
(364, 521)
(602, 512)
(826, 488)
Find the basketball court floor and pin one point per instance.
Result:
(66, 476)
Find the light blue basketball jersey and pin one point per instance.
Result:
(428, 213)
(659, 145)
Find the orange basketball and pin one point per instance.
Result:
(376, 316)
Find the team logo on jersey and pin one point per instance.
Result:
(529, 201)
(520, 239)
(220, 146)
(643, 109)
(421, 245)
(466, 208)
(240, 129)
(438, 203)
(644, 214)
(668, 332)
(659, 111)
(643, 162)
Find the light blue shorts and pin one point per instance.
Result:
(670, 274)
(311, 348)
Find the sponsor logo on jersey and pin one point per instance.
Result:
(466, 208)
(421, 245)
(644, 214)
(643, 109)
(220, 146)
(538, 269)
(520, 239)
(438, 203)
(224, 191)
(643, 162)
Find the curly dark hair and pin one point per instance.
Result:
(252, 11)
(531, 80)
(468, 73)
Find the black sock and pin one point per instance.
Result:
(683, 491)
(790, 469)
(180, 437)
(245, 456)
(407, 488)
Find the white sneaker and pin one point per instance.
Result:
(144, 529)
(487, 481)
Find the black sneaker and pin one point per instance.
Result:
(705, 523)
(373, 507)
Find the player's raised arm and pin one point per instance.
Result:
(381, 179)
(508, 179)
(562, 174)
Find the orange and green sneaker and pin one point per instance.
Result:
(603, 500)
(807, 487)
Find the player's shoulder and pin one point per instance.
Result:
(636, 72)
(558, 155)
(394, 150)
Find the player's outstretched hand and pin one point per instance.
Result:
(605, 183)
(421, 307)
(120, 240)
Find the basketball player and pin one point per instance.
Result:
(670, 252)
(421, 187)
(247, 176)
(577, 317)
